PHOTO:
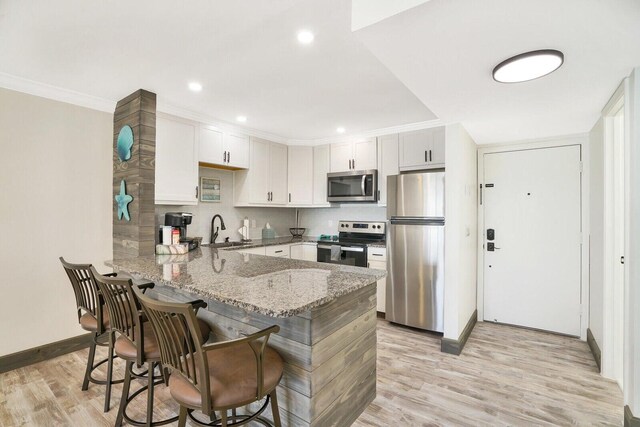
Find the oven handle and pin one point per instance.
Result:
(343, 248)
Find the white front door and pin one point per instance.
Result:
(531, 201)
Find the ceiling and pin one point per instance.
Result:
(244, 52)
(444, 52)
(434, 59)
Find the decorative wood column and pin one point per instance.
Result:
(134, 175)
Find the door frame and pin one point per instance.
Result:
(619, 99)
(562, 141)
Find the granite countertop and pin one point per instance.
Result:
(277, 287)
(286, 240)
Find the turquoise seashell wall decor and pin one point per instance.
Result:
(123, 200)
(125, 142)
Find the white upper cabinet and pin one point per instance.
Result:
(211, 146)
(388, 146)
(265, 183)
(422, 149)
(321, 167)
(176, 175)
(223, 149)
(278, 174)
(358, 155)
(236, 149)
(300, 177)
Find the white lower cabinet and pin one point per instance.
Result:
(280, 251)
(255, 251)
(304, 251)
(377, 258)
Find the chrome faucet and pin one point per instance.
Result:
(214, 232)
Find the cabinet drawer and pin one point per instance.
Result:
(377, 254)
(256, 251)
(282, 251)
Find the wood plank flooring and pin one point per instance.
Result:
(505, 376)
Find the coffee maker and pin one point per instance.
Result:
(180, 220)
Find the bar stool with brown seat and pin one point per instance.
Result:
(93, 318)
(137, 343)
(219, 376)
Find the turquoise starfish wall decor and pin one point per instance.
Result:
(125, 142)
(123, 200)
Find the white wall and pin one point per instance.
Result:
(55, 181)
(461, 229)
(281, 219)
(596, 232)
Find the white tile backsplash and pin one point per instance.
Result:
(316, 220)
(279, 218)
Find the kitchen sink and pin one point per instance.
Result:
(226, 245)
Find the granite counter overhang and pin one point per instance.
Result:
(276, 287)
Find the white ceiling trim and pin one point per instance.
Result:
(56, 93)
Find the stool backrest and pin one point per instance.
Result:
(85, 289)
(125, 315)
(178, 333)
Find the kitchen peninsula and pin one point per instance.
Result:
(326, 314)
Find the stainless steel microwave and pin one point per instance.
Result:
(353, 186)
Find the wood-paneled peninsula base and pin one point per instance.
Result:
(326, 314)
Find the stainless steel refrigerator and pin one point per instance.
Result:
(415, 278)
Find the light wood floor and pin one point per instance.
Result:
(505, 376)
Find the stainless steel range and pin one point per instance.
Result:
(353, 239)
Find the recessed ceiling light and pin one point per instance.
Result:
(305, 36)
(241, 119)
(340, 129)
(195, 86)
(528, 66)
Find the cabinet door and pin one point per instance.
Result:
(437, 147)
(414, 148)
(365, 154)
(321, 167)
(210, 146)
(297, 251)
(300, 177)
(310, 252)
(341, 157)
(278, 174)
(387, 163)
(280, 251)
(381, 285)
(237, 148)
(258, 175)
(176, 175)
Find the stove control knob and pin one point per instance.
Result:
(347, 225)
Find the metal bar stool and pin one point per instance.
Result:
(136, 343)
(219, 376)
(92, 318)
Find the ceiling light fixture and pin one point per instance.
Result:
(241, 119)
(528, 66)
(340, 129)
(195, 86)
(305, 36)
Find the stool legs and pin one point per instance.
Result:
(107, 397)
(182, 420)
(92, 355)
(152, 369)
(125, 392)
(275, 411)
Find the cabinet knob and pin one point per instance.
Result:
(229, 157)
(224, 157)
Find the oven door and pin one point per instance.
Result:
(353, 186)
(355, 255)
